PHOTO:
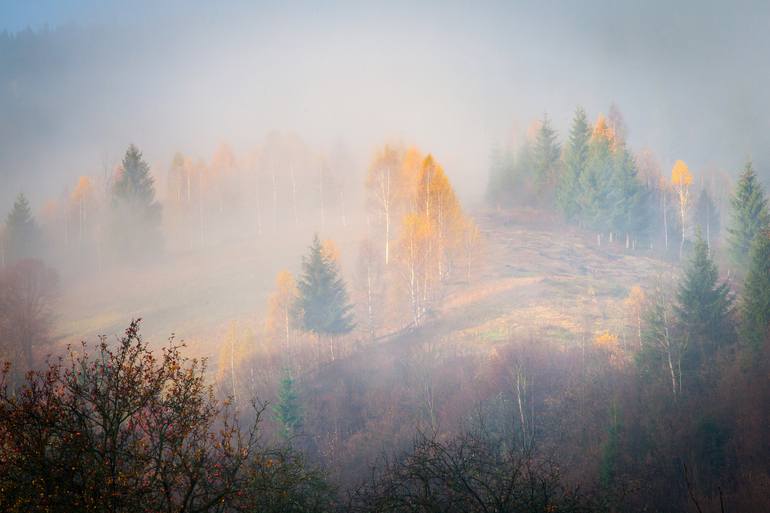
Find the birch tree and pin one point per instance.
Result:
(681, 179)
(383, 188)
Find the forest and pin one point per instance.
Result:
(234, 315)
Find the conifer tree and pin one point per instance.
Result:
(706, 216)
(322, 306)
(546, 158)
(22, 233)
(288, 410)
(703, 304)
(136, 214)
(755, 307)
(596, 182)
(575, 161)
(627, 206)
(749, 216)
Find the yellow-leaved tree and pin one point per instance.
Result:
(237, 348)
(383, 188)
(681, 179)
(413, 249)
(279, 321)
(437, 202)
(82, 198)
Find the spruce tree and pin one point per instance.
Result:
(627, 203)
(755, 306)
(706, 216)
(322, 306)
(595, 198)
(288, 410)
(136, 215)
(575, 160)
(749, 216)
(546, 159)
(23, 235)
(704, 305)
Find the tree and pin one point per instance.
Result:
(749, 216)
(287, 410)
(661, 339)
(575, 161)
(469, 473)
(382, 185)
(703, 304)
(136, 214)
(370, 286)
(22, 233)
(27, 289)
(82, 198)
(596, 182)
(222, 169)
(279, 310)
(413, 249)
(436, 201)
(755, 305)
(617, 124)
(706, 216)
(635, 302)
(126, 429)
(546, 158)
(681, 180)
(237, 348)
(628, 198)
(322, 306)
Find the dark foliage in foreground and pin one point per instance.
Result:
(470, 473)
(124, 430)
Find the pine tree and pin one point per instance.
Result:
(546, 159)
(704, 305)
(749, 216)
(575, 161)
(322, 307)
(755, 307)
(706, 216)
(136, 214)
(22, 233)
(288, 410)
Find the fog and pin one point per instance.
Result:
(458, 256)
(177, 77)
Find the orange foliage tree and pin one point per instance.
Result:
(681, 179)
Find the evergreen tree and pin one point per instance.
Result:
(22, 233)
(136, 214)
(288, 410)
(755, 307)
(322, 307)
(704, 304)
(575, 161)
(596, 184)
(706, 216)
(627, 204)
(749, 216)
(546, 159)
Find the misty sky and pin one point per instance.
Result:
(453, 77)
